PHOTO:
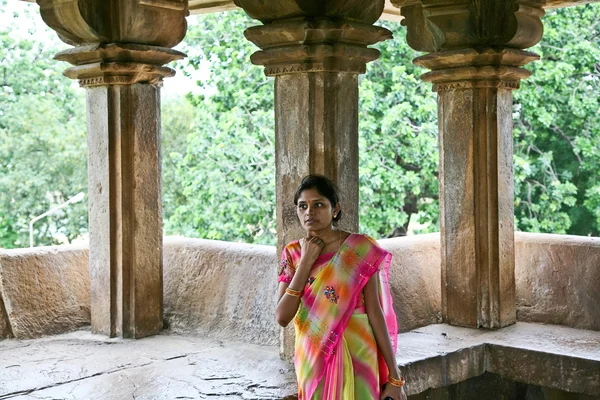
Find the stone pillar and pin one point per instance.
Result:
(315, 50)
(121, 64)
(476, 61)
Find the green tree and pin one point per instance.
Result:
(556, 123)
(42, 137)
(557, 128)
(398, 143)
(218, 145)
(223, 185)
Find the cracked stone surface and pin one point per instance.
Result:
(81, 365)
(551, 356)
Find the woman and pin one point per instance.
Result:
(335, 286)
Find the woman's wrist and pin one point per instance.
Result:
(395, 374)
(299, 280)
(303, 265)
(396, 382)
(293, 292)
(302, 273)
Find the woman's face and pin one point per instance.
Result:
(314, 210)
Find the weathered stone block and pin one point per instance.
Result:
(557, 279)
(5, 331)
(45, 291)
(555, 357)
(221, 289)
(546, 368)
(415, 279)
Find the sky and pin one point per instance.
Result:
(28, 20)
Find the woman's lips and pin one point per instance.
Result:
(309, 221)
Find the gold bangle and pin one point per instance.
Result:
(396, 382)
(292, 292)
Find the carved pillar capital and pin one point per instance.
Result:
(363, 11)
(476, 68)
(118, 64)
(152, 22)
(434, 25)
(319, 45)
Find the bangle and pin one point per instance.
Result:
(292, 292)
(396, 382)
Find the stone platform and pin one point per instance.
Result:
(80, 365)
(550, 356)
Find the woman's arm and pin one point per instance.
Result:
(287, 305)
(380, 331)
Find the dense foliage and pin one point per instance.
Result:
(222, 181)
(557, 128)
(218, 150)
(42, 139)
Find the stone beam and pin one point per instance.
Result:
(210, 6)
(390, 12)
(549, 4)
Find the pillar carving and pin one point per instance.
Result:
(121, 49)
(152, 22)
(437, 25)
(476, 61)
(315, 50)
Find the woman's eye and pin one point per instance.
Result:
(319, 205)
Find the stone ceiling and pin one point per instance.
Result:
(390, 12)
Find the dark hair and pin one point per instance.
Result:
(324, 186)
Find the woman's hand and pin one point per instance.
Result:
(394, 392)
(311, 248)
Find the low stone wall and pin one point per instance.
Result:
(558, 279)
(415, 279)
(44, 291)
(224, 289)
(227, 290)
(221, 289)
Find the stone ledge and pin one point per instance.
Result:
(551, 356)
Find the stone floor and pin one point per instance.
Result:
(80, 365)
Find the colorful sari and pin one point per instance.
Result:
(336, 355)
